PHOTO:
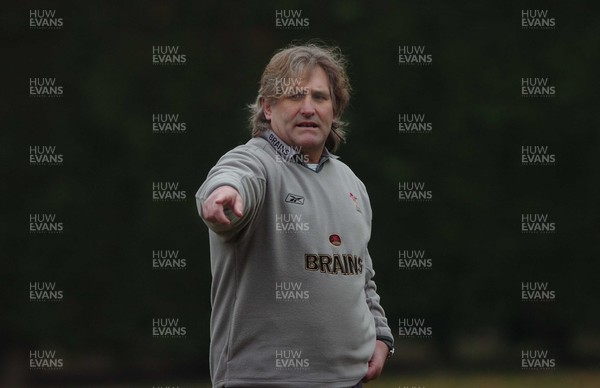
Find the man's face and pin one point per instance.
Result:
(304, 120)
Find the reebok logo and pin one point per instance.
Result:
(294, 198)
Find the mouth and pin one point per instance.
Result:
(307, 124)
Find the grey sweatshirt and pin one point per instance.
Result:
(293, 298)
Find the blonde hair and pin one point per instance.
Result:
(292, 62)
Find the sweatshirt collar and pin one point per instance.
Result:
(292, 154)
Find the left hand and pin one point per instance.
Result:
(376, 362)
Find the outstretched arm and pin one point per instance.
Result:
(233, 192)
(221, 199)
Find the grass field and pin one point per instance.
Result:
(563, 379)
(573, 379)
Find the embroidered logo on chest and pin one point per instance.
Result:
(354, 199)
(295, 199)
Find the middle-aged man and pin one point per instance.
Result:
(293, 298)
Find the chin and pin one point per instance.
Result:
(312, 142)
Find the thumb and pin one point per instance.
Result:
(238, 206)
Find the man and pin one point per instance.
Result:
(294, 303)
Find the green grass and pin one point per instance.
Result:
(567, 379)
(556, 379)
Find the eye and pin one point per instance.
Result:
(321, 97)
(297, 96)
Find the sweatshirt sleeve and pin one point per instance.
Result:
(241, 169)
(382, 329)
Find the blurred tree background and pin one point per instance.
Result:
(471, 161)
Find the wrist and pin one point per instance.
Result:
(389, 343)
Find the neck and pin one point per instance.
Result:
(314, 157)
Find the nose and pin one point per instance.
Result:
(308, 108)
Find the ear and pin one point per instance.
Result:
(266, 106)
